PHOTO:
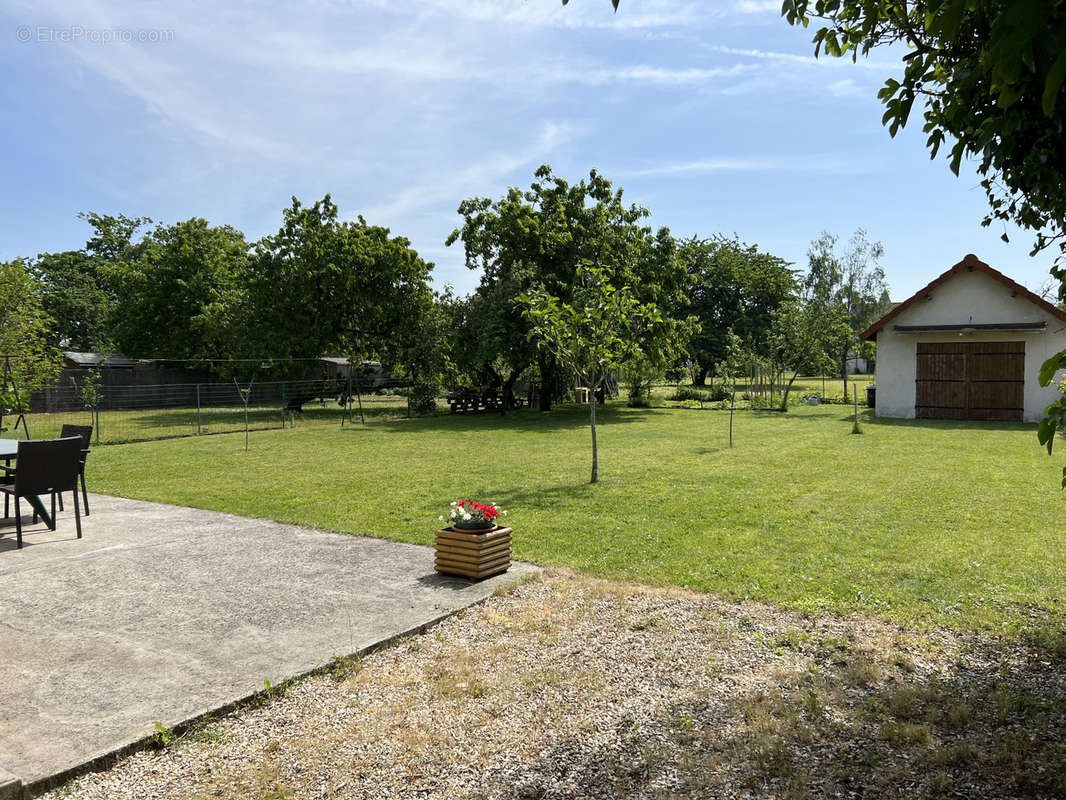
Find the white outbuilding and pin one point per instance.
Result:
(967, 346)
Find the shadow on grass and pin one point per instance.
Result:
(850, 719)
(952, 424)
(544, 497)
(831, 416)
(567, 417)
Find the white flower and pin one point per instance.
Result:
(504, 513)
(441, 518)
(455, 502)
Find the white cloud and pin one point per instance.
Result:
(794, 58)
(845, 88)
(758, 6)
(648, 74)
(451, 186)
(822, 163)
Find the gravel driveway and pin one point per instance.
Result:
(571, 687)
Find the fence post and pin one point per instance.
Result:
(96, 415)
(197, 409)
(283, 425)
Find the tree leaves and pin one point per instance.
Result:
(1053, 84)
(989, 76)
(1050, 367)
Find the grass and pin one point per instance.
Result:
(116, 427)
(919, 521)
(831, 390)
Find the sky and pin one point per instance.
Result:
(715, 116)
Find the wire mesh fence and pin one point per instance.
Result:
(138, 413)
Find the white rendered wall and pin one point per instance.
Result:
(966, 298)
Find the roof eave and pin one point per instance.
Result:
(969, 263)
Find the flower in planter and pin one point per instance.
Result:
(471, 515)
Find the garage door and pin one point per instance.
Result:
(970, 380)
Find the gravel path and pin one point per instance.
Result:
(570, 687)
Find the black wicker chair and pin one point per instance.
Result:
(45, 467)
(86, 434)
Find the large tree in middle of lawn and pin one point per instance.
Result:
(538, 238)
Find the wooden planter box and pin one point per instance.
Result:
(473, 555)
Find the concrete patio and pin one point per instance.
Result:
(162, 614)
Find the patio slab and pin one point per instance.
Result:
(163, 613)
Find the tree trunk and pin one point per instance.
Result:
(844, 373)
(547, 381)
(784, 400)
(700, 378)
(732, 406)
(508, 387)
(592, 423)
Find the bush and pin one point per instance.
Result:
(640, 401)
(423, 398)
(715, 394)
(720, 393)
(684, 393)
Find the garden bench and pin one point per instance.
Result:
(469, 401)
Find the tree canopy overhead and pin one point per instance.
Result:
(989, 75)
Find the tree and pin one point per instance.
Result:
(990, 75)
(76, 296)
(112, 236)
(734, 288)
(320, 285)
(807, 337)
(168, 290)
(595, 332)
(852, 283)
(24, 336)
(427, 356)
(730, 368)
(74, 285)
(541, 237)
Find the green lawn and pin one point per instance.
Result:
(830, 389)
(947, 522)
(136, 425)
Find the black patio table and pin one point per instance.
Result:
(9, 449)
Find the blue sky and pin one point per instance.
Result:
(713, 115)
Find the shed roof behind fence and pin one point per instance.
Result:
(88, 360)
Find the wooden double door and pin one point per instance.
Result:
(970, 380)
